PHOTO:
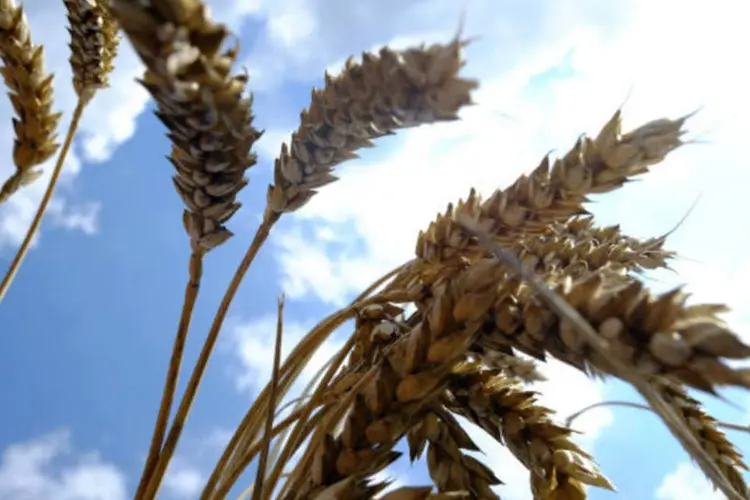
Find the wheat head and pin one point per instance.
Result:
(386, 92)
(554, 193)
(93, 45)
(204, 107)
(497, 404)
(31, 92)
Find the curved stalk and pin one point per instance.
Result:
(173, 372)
(37, 221)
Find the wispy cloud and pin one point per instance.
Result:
(48, 468)
(686, 482)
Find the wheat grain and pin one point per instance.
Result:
(386, 92)
(31, 94)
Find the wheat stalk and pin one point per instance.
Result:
(88, 20)
(393, 105)
(210, 125)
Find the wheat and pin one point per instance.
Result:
(31, 93)
(705, 428)
(82, 50)
(558, 467)
(93, 45)
(209, 119)
(573, 293)
(554, 193)
(203, 106)
(450, 468)
(386, 92)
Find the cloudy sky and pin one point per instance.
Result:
(88, 325)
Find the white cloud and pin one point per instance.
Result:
(252, 343)
(47, 468)
(183, 480)
(686, 482)
(84, 217)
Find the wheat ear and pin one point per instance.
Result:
(705, 428)
(240, 450)
(554, 192)
(450, 468)
(31, 93)
(497, 404)
(89, 38)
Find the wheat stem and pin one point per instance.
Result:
(36, 222)
(175, 430)
(629, 404)
(173, 373)
(266, 447)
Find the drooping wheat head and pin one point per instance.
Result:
(711, 439)
(31, 94)
(500, 406)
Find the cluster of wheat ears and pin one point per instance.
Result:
(496, 283)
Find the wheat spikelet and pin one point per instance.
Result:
(31, 93)
(93, 45)
(449, 467)
(386, 92)
(723, 453)
(558, 467)
(554, 193)
(209, 119)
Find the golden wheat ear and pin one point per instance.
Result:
(450, 468)
(555, 191)
(386, 92)
(31, 94)
(93, 46)
(510, 414)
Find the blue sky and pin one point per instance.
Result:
(88, 325)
